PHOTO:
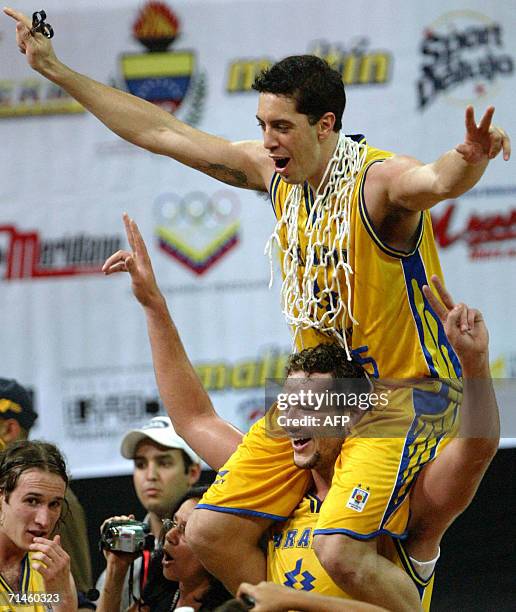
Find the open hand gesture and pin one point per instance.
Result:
(464, 326)
(483, 141)
(137, 263)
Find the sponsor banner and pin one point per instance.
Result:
(99, 405)
(79, 339)
(27, 255)
(355, 61)
(464, 58)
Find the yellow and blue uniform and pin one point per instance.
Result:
(291, 560)
(31, 581)
(398, 336)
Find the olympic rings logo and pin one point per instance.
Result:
(197, 209)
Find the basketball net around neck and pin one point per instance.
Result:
(328, 233)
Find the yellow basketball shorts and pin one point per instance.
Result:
(394, 550)
(373, 474)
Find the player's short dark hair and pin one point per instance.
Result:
(309, 80)
(25, 455)
(325, 359)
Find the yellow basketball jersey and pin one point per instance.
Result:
(291, 560)
(26, 596)
(397, 335)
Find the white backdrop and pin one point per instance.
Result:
(77, 338)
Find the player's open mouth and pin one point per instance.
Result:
(300, 443)
(281, 162)
(166, 557)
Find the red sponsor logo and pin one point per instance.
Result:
(483, 233)
(26, 255)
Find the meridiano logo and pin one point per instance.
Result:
(26, 255)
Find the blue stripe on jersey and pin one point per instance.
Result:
(357, 137)
(306, 196)
(25, 573)
(315, 503)
(404, 479)
(312, 213)
(362, 536)
(368, 224)
(414, 270)
(408, 452)
(407, 565)
(226, 510)
(3, 583)
(430, 431)
(430, 402)
(273, 190)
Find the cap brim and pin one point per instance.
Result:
(159, 436)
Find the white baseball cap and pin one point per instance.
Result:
(159, 430)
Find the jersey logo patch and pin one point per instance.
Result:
(358, 499)
(293, 578)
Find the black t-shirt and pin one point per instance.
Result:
(158, 592)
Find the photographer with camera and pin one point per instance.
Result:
(192, 588)
(123, 541)
(164, 469)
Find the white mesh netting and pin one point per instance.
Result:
(314, 297)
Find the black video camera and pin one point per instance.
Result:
(126, 536)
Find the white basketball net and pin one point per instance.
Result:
(327, 232)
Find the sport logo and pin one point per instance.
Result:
(357, 63)
(358, 499)
(163, 77)
(487, 235)
(26, 255)
(293, 578)
(464, 57)
(197, 230)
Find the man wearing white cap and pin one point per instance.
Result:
(165, 467)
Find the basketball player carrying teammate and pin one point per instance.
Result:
(356, 246)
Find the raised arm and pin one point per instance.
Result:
(447, 485)
(404, 184)
(187, 403)
(242, 164)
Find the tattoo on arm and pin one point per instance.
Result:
(236, 178)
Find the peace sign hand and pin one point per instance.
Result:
(464, 326)
(483, 141)
(137, 262)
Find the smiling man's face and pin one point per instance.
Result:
(314, 447)
(292, 143)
